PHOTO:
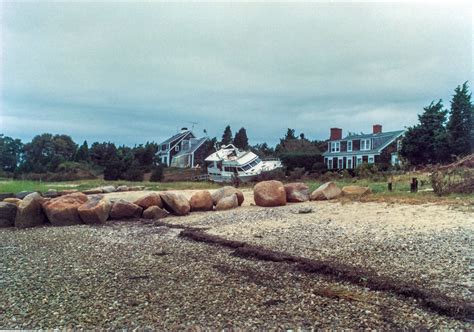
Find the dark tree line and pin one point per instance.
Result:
(437, 139)
(47, 153)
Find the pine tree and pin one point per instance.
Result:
(241, 140)
(426, 143)
(82, 154)
(460, 124)
(227, 136)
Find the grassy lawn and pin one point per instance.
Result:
(15, 186)
(401, 188)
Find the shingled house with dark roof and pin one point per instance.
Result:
(182, 150)
(353, 150)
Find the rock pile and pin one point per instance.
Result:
(72, 207)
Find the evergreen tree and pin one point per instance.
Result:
(10, 153)
(82, 154)
(290, 134)
(426, 143)
(460, 124)
(240, 140)
(227, 136)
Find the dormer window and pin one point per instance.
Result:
(176, 148)
(365, 144)
(349, 146)
(335, 146)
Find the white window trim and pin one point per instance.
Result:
(349, 162)
(176, 148)
(350, 141)
(371, 157)
(365, 146)
(335, 147)
(329, 164)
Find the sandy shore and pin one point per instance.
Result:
(134, 274)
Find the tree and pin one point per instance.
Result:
(240, 140)
(82, 154)
(427, 143)
(290, 134)
(10, 153)
(460, 124)
(227, 136)
(102, 153)
(263, 150)
(46, 152)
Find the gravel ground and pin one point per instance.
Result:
(131, 274)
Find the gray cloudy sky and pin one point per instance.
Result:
(135, 72)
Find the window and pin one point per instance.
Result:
(329, 163)
(349, 162)
(176, 148)
(371, 159)
(349, 146)
(335, 146)
(365, 144)
(359, 160)
(340, 164)
(163, 147)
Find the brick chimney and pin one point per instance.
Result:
(377, 129)
(336, 133)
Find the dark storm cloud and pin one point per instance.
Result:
(135, 72)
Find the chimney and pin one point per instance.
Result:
(377, 129)
(336, 133)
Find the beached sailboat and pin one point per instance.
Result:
(229, 162)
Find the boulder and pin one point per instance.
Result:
(6, 195)
(269, 193)
(96, 210)
(51, 193)
(227, 203)
(124, 210)
(23, 194)
(356, 190)
(108, 189)
(152, 199)
(175, 203)
(93, 191)
(329, 190)
(136, 188)
(68, 192)
(154, 212)
(62, 211)
(297, 192)
(15, 201)
(7, 214)
(122, 188)
(201, 201)
(227, 191)
(29, 212)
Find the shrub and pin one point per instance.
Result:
(111, 172)
(157, 173)
(276, 174)
(134, 173)
(319, 167)
(297, 160)
(297, 173)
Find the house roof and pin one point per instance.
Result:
(379, 142)
(195, 144)
(388, 135)
(175, 137)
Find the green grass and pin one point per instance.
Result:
(14, 186)
(401, 188)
